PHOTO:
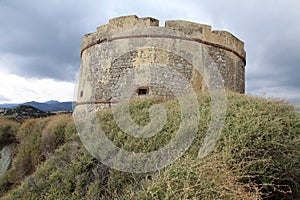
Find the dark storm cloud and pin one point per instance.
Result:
(277, 72)
(270, 30)
(283, 60)
(42, 38)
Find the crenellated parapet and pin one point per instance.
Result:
(115, 26)
(192, 31)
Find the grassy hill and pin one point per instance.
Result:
(257, 156)
(24, 112)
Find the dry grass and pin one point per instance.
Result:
(257, 156)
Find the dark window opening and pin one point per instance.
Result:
(81, 93)
(142, 90)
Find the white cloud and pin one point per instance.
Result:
(18, 89)
(279, 92)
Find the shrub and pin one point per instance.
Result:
(8, 130)
(53, 135)
(30, 148)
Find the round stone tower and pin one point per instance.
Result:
(135, 56)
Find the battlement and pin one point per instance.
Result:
(133, 21)
(190, 31)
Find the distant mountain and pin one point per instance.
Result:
(51, 102)
(46, 106)
(9, 105)
(51, 105)
(25, 112)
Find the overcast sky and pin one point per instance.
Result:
(40, 41)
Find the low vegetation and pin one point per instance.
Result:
(256, 157)
(24, 112)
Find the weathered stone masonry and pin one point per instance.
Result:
(130, 42)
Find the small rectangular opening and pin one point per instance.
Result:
(142, 91)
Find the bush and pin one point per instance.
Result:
(30, 148)
(53, 135)
(8, 130)
(36, 138)
(262, 141)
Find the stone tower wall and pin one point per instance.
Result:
(130, 42)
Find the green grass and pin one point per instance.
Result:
(257, 156)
